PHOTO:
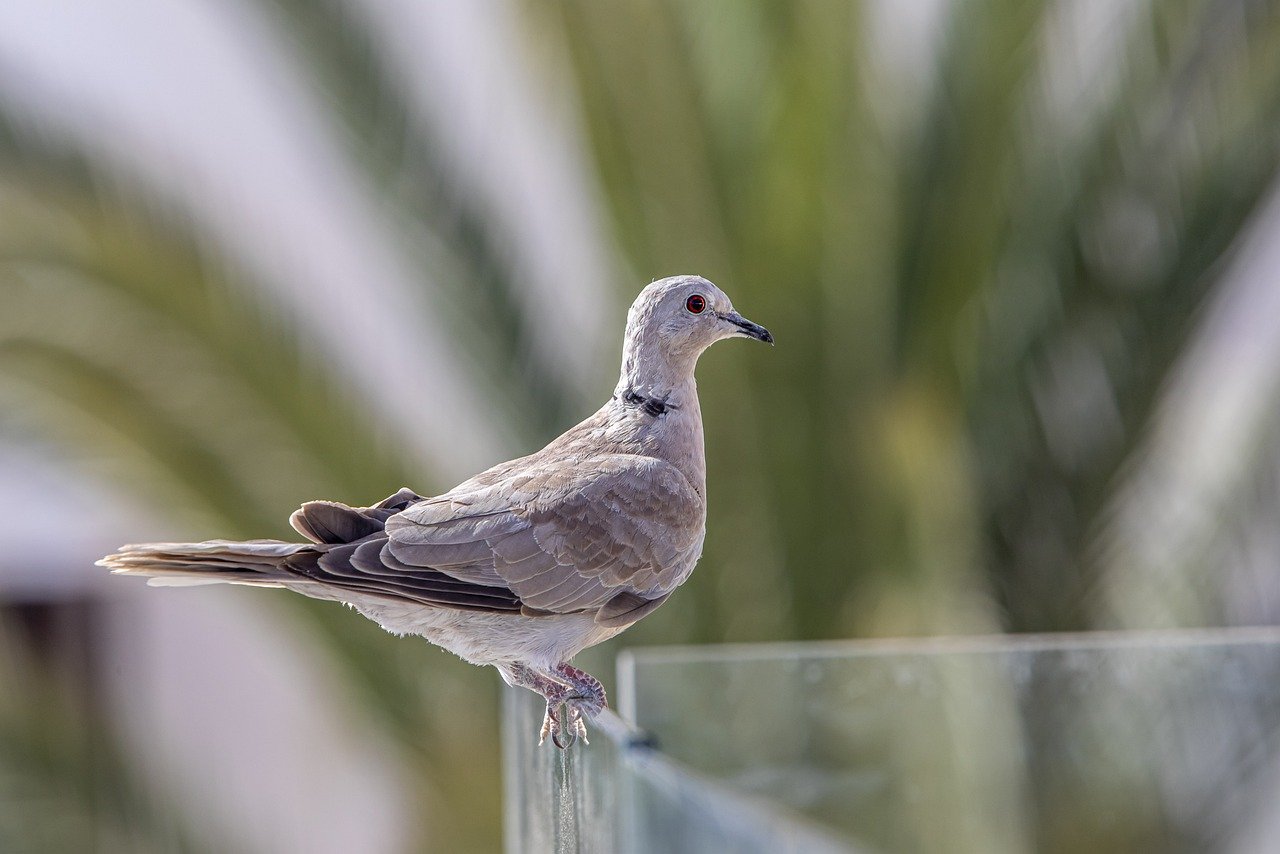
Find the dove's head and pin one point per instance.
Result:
(674, 320)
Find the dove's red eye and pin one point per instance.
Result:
(696, 304)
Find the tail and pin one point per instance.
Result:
(255, 562)
(260, 563)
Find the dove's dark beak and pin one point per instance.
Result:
(746, 327)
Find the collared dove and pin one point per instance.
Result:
(528, 563)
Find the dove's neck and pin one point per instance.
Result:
(654, 370)
(662, 417)
(662, 378)
(671, 390)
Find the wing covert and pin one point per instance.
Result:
(563, 541)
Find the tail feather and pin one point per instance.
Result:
(258, 562)
(254, 562)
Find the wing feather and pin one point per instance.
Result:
(562, 540)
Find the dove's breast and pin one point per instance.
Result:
(674, 437)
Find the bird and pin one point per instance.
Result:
(527, 563)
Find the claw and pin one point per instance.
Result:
(580, 708)
(555, 739)
(546, 727)
(561, 736)
(553, 724)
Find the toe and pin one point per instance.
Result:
(563, 738)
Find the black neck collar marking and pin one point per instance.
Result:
(651, 406)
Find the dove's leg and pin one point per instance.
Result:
(586, 697)
(556, 693)
(565, 687)
(584, 684)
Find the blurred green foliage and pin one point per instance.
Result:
(927, 276)
(978, 285)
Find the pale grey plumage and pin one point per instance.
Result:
(531, 561)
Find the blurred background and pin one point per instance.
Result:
(1021, 259)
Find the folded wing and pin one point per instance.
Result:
(614, 535)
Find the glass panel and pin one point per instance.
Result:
(1113, 742)
(617, 795)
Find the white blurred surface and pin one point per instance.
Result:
(238, 715)
(218, 700)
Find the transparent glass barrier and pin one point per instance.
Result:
(617, 795)
(1098, 743)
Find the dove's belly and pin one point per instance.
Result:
(486, 638)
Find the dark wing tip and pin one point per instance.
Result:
(333, 523)
(402, 500)
(627, 608)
